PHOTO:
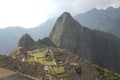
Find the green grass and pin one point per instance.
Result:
(106, 74)
(40, 54)
(63, 78)
(48, 61)
(42, 58)
(57, 70)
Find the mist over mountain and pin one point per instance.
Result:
(10, 36)
(107, 20)
(71, 52)
(93, 45)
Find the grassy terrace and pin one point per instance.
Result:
(49, 61)
(57, 70)
(40, 57)
(40, 54)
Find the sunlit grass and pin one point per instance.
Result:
(41, 57)
(63, 78)
(49, 61)
(40, 54)
(57, 70)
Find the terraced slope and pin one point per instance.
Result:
(46, 58)
(51, 63)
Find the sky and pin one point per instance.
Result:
(31, 13)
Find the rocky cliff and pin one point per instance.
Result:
(93, 45)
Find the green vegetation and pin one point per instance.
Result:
(40, 54)
(41, 57)
(105, 74)
(33, 47)
(87, 71)
(48, 61)
(57, 70)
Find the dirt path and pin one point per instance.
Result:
(5, 72)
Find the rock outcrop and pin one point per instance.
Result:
(45, 41)
(65, 32)
(26, 42)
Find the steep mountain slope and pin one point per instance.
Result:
(106, 20)
(9, 37)
(96, 46)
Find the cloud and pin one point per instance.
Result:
(30, 13)
(80, 6)
(26, 13)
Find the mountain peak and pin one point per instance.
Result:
(26, 41)
(26, 35)
(66, 16)
(64, 26)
